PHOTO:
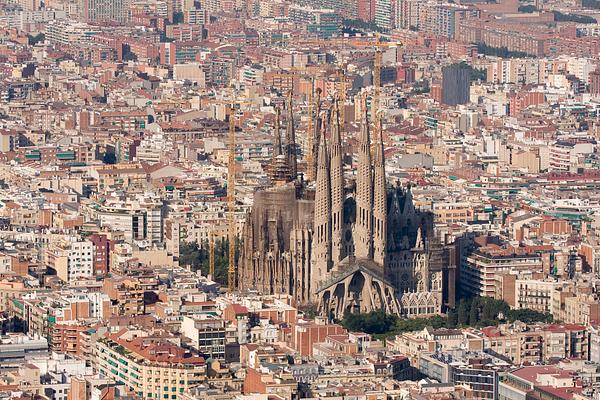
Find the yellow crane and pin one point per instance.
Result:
(231, 272)
(231, 228)
(376, 99)
(309, 134)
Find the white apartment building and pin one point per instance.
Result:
(60, 32)
(72, 260)
(535, 294)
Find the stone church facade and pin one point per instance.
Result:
(343, 243)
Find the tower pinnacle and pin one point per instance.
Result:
(379, 200)
(277, 149)
(337, 187)
(363, 237)
(322, 216)
(291, 139)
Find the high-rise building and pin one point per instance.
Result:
(105, 10)
(456, 84)
(407, 13)
(322, 22)
(365, 10)
(384, 14)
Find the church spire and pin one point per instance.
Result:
(291, 139)
(321, 251)
(363, 236)
(379, 201)
(337, 187)
(278, 149)
(316, 129)
(279, 170)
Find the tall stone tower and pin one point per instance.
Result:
(363, 229)
(338, 252)
(316, 132)
(291, 139)
(379, 201)
(321, 248)
(277, 149)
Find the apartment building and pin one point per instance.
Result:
(150, 366)
(477, 370)
(70, 33)
(480, 269)
(452, 213)
(521, 344)
(521, 292)
(72, 260)
(207, 335)
(581, 309)
(106, 10)
(412, 344)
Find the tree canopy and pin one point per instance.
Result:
(33, 40)
(198, 258)
(500, 51)
(470, 312)
(580, 19)
(528, 9)
(354, 25)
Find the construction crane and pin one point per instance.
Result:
(231, 272)
(368, 42)
(231, 228)
(309, 134)
(376, 99)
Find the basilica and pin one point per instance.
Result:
(348, 242)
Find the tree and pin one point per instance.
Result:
(528, 316)
(580, 19)
(190, 254)
(463, 312)
(198, 258)
(474, 312)
(478, 74)
(503, 52)
(253, 320)
(452, 318)
(528, 9)
(354, 25)
(33, 40)
(488, 311)
(421, 87)
(375, 322)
